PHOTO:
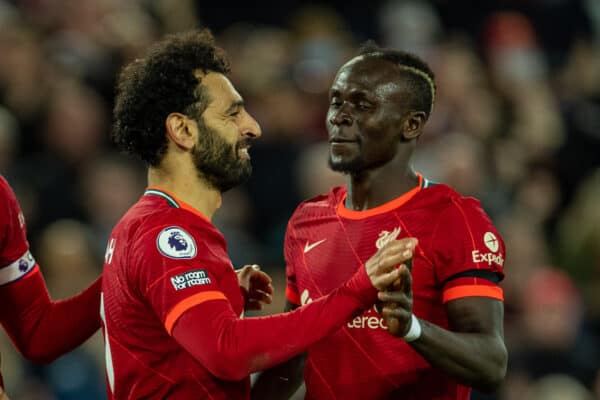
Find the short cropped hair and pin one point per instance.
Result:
(416, 73)
(163, 82)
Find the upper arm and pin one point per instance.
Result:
(469, 253)
(476, 315)
(172, 282)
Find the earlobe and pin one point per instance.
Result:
(180, 130)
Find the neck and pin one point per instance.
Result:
(374, 187)
(188, 187)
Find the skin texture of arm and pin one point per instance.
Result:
(281, 381)
(42, 329)
(473, 352)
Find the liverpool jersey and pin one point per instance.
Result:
(41, 329)
(459, 254)
(162, 258)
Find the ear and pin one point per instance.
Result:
(413, 125)
(181, 130)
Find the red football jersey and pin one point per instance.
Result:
(41, 329)
(460, 254)
(171, 306)
(16, 261)
(162, 259)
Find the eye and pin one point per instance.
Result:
(365, 106)
(335, 102)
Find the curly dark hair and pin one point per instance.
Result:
(415, 72)
(162, 82)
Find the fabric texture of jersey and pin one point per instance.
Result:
(41, 329)
(171, 307)
(459, 254)
(161, 260)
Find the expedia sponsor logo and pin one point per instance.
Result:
(489, 258)
(491, 241)
(371, 319)
(190, 278)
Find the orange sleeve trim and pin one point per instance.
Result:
(458, 292)
(188, 303)
(292, 296)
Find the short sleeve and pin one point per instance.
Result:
(16, 261)
(291, 289)
(469, 252)
(177, 270)
(13, 234)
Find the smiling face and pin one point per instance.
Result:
(226, 131)
(368, 111)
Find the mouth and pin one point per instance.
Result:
(340, 143)
(242, 150)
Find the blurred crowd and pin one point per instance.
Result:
(516, 123)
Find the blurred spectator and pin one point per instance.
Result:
(516, 123)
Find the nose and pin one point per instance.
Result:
(249, 126)
(341, 116)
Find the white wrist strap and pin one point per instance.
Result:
(415, 330)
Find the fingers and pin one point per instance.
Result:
(384, 280)
(261, 280)
(261, 296)
(381, 268)
(397, 319)
(395, 298)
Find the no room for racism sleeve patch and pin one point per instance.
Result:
(190, 278)
(175, 242)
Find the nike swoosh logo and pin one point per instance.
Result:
(309, 247)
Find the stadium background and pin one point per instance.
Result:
(516, 123)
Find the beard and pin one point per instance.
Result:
(217, 161)
(347, 167)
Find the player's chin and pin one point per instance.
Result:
(344, 164)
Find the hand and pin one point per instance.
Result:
(397, 301)
(384, 268)
(256, 287)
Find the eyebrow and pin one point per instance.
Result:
(234, 105)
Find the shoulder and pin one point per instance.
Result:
(7, 196)
(175, 233)
(321, 204)
(446, 200)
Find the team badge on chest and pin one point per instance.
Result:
(387, 236)
(175, 242)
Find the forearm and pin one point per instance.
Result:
(43, 330)
(232, 348)
(474, 359)
(281, 381)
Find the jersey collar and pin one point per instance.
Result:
(172, 200)
(342, 211)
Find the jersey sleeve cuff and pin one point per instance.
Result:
(457, 292)
(188, 303)
(22, 267)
